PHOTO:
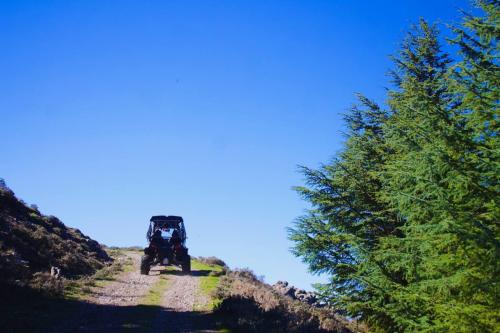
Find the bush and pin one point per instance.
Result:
(246, 274)
(248, 304)
(47, 284)
(212, 261)
(38, 242)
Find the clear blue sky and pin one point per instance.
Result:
(112, 111)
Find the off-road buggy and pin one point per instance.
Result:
(167, 244)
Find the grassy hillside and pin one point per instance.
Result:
(37, 306)
(33, 300)
(247, 304)
(244, 303)
(32, 243)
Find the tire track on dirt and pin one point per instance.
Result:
(116, 307)
(109, 306)
(178, 303)
(128, 288)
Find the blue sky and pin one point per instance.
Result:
(112, 111)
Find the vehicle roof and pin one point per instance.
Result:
(169, 218)
(167, 221)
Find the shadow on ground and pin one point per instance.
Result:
(25, 310)
(201, 272)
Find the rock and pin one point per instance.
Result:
(283, 288)
(55, 272)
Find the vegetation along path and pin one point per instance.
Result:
(166, 300)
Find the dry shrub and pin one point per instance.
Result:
(248, 304)
(108, 272)
(47, 284)
(217, 273)
(245, 274)
(212, 261)
(126, 248)
(43, 241)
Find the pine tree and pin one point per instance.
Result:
(405, 219)
(418, 134)
(443, 180)
(418, 180)
(349, 217)
(437, 181)
(475, 84)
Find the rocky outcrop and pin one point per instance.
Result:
(31, 243)
(307, 297)
(251, 305)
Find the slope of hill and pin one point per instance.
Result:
(31, 243)
(246, 303)
(94, 295)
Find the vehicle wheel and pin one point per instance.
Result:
(145, 264)
(186, 265)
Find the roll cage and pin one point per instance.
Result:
(162, 222)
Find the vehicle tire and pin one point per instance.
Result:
(145, 264)
(186, 265)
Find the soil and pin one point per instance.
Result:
(128, 289)
(116, 307)
(178, 306)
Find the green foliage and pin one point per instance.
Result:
(405, 219)
(155, 294)
(209, 282)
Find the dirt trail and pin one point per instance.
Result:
(128, 289)
(178, 305)
(108, 307)
(116, 307)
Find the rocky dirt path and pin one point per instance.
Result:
(178, 306)
(117, 307)
(128, 288)
(108, 308)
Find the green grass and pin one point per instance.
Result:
(143, 315)
(208, 284)
(154, 295)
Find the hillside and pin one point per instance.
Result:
(32, 243)
(246, 303)
(101, 289)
